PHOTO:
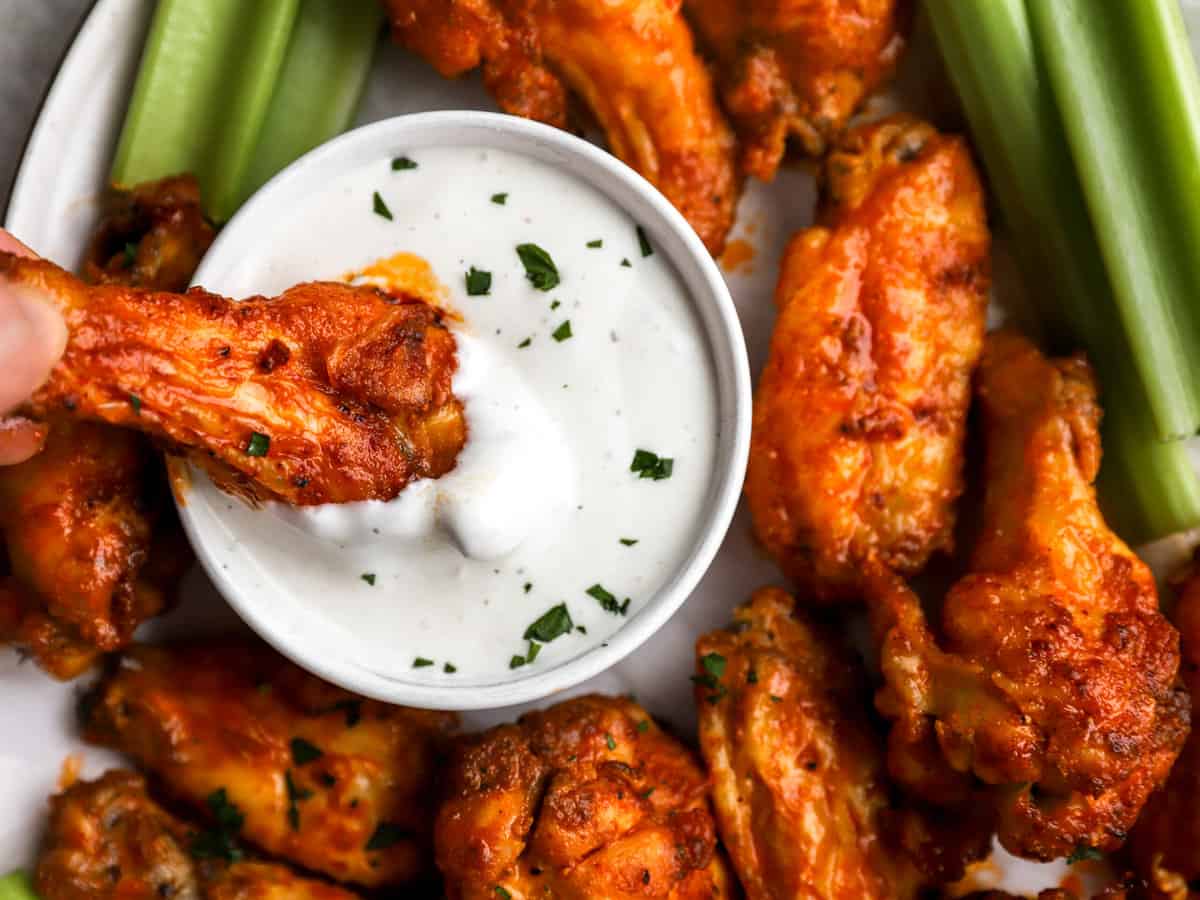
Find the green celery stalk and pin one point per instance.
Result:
(1128, 95)
(324, 73)
(16, 886)
(1148, 488)
(206, 80)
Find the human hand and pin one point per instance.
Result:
(32, 338)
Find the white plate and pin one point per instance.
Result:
(55, 204)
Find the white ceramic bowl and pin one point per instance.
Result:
(302, 637)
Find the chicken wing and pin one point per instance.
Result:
(326, 393)
(1052, 681)
(802, 800)
(797, 68)
(333, 782)
(859, 419)
(92, 543)
(108, 839)
(633, 64)
(586, 800)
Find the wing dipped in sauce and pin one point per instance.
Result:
(631, 62)
(324, 779)
(327, 393)
(860, 414)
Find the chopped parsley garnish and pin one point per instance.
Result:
(643, 726)
(553, 623)
(644, 242)
(500, 199)
(136, 402)
(1082, 852)
(775, 698)
(608, 739)
(259, 444)
(528, 586)
(596, 243)
(516, 662)
(479, 282)
(386, 834)
(421, 662)
(326, 779)
(562, 332)
(651, 465)
(581, 629)
(220, 841)
(380, 208)
(714, 668)
(714, 664)
(525, 343)
(752, 676)
(368, 577)
(130, 255)
(647, 793)
(502, 893)
(352, 709)
(400, 163)
(304, 752)
(608, 602)
(555, 304)
(628, 542)
(532, 654)
(294, 796)
(626, 264)
(449, 668)
(539, 267)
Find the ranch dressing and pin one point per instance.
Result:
(542, 516)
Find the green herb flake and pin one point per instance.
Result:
(368, 577)
(713, 664)
(606, 599)
(562, 332)
(581, 629)
(596, 244)
(259, 444)
(402, 163)
(421, 662)
(532, 653)
(1082, 852)
(479, 283)
(539, 267)
(294, 795)
(625, 263)
(220, 841)
(386, 834)
(643, 726)
(628, 542)
(647, 793)
(449, 668)
(752, 676)
(553, 623)
(500, 199)
(525, 343)
(608, 739)
(775, 698)
(304, 752)
(644, 242)
(380, 208)
(515, 662)
(650, 465)
(136, 402)
(352, 709)
(502, 893)
(130, 252)
(528, 586)
(555, 304)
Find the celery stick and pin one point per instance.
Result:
(1127, 91)
(207, 76)
(16, 886)
(1148, 489)
(323, 76)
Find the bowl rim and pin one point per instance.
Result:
(711, 301)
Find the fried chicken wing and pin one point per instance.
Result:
(1053, 679)
(633, 64)
(797, 68)
(333, 782)
(860, 415)
(92, 543)
(802, 799)
(586, 800)
(108, 839)
(326, 393)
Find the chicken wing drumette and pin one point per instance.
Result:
(860, 415)
(631, 62)
(797, 68)
(326, 393)
(108, 840)
(802, 799)
(333, 782)
(588, 799)
(1052, 681)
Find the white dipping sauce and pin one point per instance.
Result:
(542, 504)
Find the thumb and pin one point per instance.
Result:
(33, 336)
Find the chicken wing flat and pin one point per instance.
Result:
(330, 781)
(586, 800)
(802, 798)
(633, 64)
(856, 453)
(797, 68)
(92, 544)
(108, 840)
(1053, 679)
(326, 393)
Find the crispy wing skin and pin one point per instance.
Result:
(152, 235)
(797, 68)
(631, 62)
(802, 798)
(860, 415)
(1053, 679)
(333, 782)
(586, 800)
(349, 390)
(108, 840)
(92, 542)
